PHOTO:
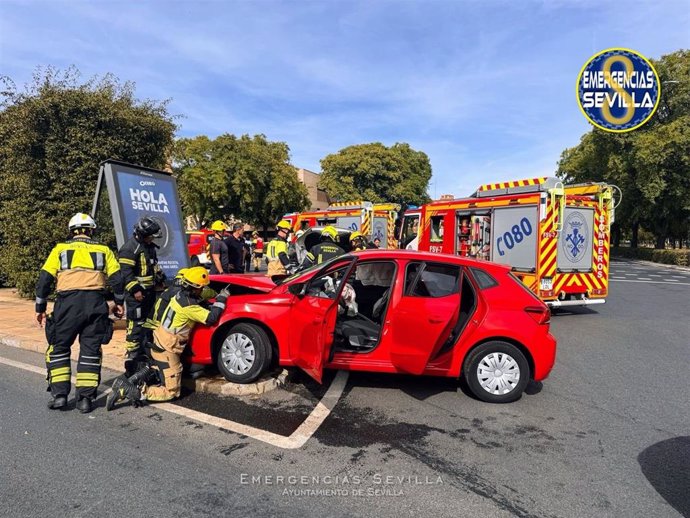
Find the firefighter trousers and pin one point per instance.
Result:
(169, 369)
(138, 312)
(83, 313)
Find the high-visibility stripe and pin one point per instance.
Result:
(60, 379)
(514, 183)
(129, 262)
(131, 285)
(60, 370)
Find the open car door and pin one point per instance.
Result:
(425, 315)
(313, 316)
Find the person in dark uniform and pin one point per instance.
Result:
(235, 243)
(139, 264)
(81, 267)
(325, 250)
(218, 249)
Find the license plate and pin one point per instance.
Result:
(546, 284)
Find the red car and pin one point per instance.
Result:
(394, 311)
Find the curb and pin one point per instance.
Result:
(216, 384)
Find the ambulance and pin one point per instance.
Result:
(374, 220)
(555, 237)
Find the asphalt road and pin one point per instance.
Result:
(608, 434)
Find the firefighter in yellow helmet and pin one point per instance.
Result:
(177, 318)
(358, 242)
(277, 251)
(81, 267)
(326, 249)
(219, 249)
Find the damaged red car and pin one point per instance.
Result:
(392, 311)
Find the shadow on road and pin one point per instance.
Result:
(666, 465)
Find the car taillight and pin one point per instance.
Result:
(540, 314)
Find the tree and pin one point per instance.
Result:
(650, 164)
(53, 135)
(247, 177)
(376, 173)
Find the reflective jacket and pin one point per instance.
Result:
(139, 264)
(178, 318)
(79, 264)
(277, 257)
(323, 252)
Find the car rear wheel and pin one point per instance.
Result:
(244, 354)
(496, 372)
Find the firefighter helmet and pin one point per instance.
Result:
(329, 232)
(146, 227)
(218, 226)
(356, 235)
(284, 225)
(81, 220)
(196, 277)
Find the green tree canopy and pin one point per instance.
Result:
(376, 173)
(651, 165)
(53, 135)
(247, 177)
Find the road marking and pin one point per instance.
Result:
(652, 282)
(644, 279)
(297, 439)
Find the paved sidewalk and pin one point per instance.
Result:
(18, 328)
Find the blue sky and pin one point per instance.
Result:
(485, 88)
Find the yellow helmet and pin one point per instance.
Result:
(218, 226)
(196, 277)
(180, 273)
(284, 225)
(356, 235)
(329, 231)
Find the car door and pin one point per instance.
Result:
(425, 314)
(313, 315)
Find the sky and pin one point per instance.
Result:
(485, 88)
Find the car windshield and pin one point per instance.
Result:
(306, 271)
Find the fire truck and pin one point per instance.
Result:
(556, 237)
(374, 220)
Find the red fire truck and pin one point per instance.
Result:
(556, 237)
(374, 220)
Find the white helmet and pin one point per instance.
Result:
(81, 220)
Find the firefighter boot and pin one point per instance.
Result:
(85, 405)
(123, 389)
(143, 375)
(58, 403)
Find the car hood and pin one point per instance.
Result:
(259, 282)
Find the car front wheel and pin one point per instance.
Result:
(496, 372)
(244, 354)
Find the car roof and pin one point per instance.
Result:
(413, 255)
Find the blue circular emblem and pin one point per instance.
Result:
(576, 237)
(618, 90)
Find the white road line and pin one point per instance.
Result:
(296, 440)
(652, 282)
(644, 279)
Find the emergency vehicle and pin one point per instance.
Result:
(555, 237)
(374, 220)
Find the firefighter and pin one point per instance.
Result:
(358, 242)
(277, 252)
(218, 248)
(257, 250)
(139, 264)
(179, 316)
(326, 249)
(81, 267)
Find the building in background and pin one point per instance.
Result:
(317, 197)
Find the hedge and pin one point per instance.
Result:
(677, 257)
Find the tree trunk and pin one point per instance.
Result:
(616, 231)
(660, 242)
(633, 237)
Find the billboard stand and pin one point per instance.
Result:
(135, 192)
(97, 196)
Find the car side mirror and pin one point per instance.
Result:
(298, 288)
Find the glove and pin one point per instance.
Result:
(223, 295)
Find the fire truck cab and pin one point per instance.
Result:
(555, 237)
(373, 220)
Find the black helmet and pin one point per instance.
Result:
(146, 227)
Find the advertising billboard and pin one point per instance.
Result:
(135, 192)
